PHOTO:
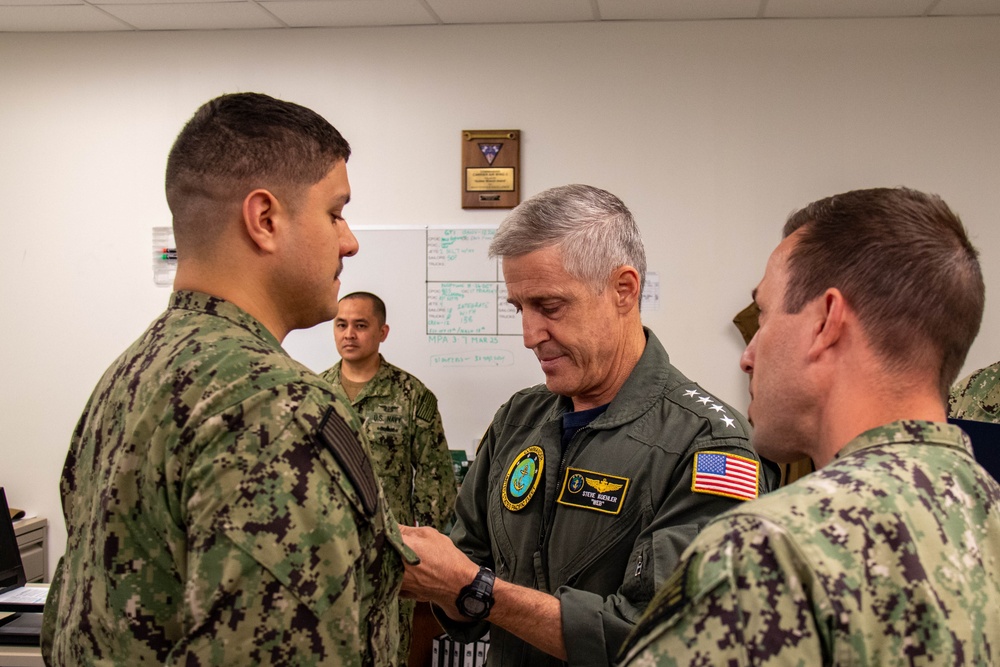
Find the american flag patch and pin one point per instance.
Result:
(725, 475)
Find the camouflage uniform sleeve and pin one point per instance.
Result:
(281, 556)
(743, 594)
(434, 485)
(977, 397)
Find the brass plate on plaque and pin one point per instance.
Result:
(491, 166)
(491, 179)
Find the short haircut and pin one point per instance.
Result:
(378, 305)
(238, 142)
(904, 262)
(594, 230)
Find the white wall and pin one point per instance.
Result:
(711, 132)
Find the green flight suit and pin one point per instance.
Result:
(221, 510)
(524, 512)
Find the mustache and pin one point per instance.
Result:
(548, 351)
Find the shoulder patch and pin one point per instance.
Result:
(722, 474)
(343, 444)
(427, 407)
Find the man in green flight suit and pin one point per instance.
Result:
(887, 554)
(220, 503)
(401, 419)
(584, 490)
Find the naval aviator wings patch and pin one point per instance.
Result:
(595, 491)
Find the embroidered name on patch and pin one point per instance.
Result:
(725, 475)
(591, 490)
(522, 478)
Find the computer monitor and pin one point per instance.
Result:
(20, 618)
(11, 568)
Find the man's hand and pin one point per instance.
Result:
(533, 616)
(442, 572)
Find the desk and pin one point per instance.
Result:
(14, 655)
(30, 534)
(20, 656)
(425, 629)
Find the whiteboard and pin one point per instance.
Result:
(449, 321)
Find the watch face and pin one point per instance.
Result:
(473, 607)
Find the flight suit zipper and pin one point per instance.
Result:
(541, 556)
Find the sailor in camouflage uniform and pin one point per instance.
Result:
(887, 555)
(977, 397)
(220, 503)
(401, 419)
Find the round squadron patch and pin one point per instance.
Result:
(575, 483)
(522, 478)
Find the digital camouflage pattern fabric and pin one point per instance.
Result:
(401, 419)
(886, 556)
(404, 428)
(977, 397)
(219, 510)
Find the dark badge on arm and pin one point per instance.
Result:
(335, 435)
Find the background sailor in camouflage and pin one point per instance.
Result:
(401, 419)
(977, 397)
(584, 490)
(220, 504)
(887, 555)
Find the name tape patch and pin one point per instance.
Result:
(595, 491)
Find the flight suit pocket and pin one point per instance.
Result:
(639, 584)
(612, 545)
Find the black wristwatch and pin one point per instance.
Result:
(475, 600)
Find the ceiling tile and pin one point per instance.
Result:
(844, 8)
(65, 18)
(966, 8)
(345, 13)
(194, 16)
(180, 3)
(40, 3)
(83, 16)
(677, 10)
(512, 11)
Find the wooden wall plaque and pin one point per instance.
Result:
(491, 168)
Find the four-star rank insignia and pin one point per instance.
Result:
(591, 490)
(522, 478)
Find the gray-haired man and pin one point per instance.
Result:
(584, 491)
